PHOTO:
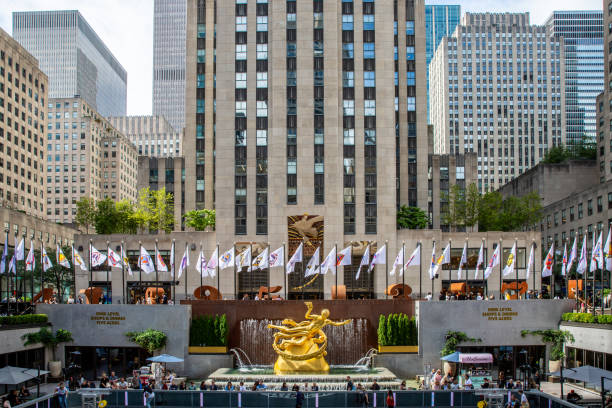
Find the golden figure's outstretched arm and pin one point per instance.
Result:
(332, 323)
(308, 315)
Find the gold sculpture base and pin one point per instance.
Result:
(314, 365)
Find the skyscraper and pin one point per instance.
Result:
(153, 136)
(440, 22)
(582, 33)
(169, 30)
(497, 90)
(75, 59)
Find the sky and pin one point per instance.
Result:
(126, 27)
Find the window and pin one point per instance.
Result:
(348, 80)
(370, 107)
(580, 211)
(369, 79)
(241, 24)
(262, 23)
(349, 108)
(411, 104)
(241, 80)
(368, 50)
(590, 207)
(240, 109)
(599, 204)
(347, 22)
(291, 166)
(262, 79)
(262, 51)
(368, 22)
(347, 50)
(241, 51)
(460, 175)
(409, 27)
(349, 137)
(410, 78)
(262, 109)
(409, 53)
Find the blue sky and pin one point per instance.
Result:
(126, 26)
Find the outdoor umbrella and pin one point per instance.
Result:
(452, 358)
(587, 374)
(16, 375)
(165, 358)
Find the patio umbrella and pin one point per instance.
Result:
(452, 358)
(16, 375)
(165, 358)
(587, 374)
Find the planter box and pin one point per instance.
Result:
(398, 349)
(207, 349)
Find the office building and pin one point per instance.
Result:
(23, 119)
(86, 157)
(74, 58)
(497, 90)
(169, 30)
(152, 135)
(440, 21)
(582, 33)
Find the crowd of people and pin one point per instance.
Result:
(15, 397)
(446, 295)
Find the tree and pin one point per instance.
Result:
(489, 211)
(532, 205)
(86, 212)
(125, 220)
(163, 210)
(143, 212)
(556, 154)
(454, 216)
(472, 204)
(60, 277)
(411, 218)
(106, 217)
(46, 337)
(200, 219)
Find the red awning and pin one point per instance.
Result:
(475, 358)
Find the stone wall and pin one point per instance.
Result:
(590, 336)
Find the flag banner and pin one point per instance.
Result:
(399, 261)
(607, 250)
(201, 265)
(462, 261)
(184, 263)
(597, 259)
(114, 260)
(126, 261)
(261, 261)
(61, 258)
(574, 253)
(329, 262)
(313, 264)
(13, 265)
(227, 259)
(442, 259)
(548, 261)
(511, 262)
(4, 256)
(211, 266)
(145, 263)
(379, 258)
(31, 259)
(159, 261)
(582, 262)
(77, 260)
(277, 257)
(365, 261)
(244, 259)
(432, 267)
(44, 260)
(344, 256)
(480, 260)
(414, 259)
(171, 259)
(564, 261)
(295, 258)
(20, 251)
(493, 262)
(530, 262)
(97, 257)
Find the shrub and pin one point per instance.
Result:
(586, 318)
(604, 319)
(382, 330)
(23, 319)
(397, 330)
(149, 339)
(208, 331)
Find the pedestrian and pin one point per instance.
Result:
(362, 396)
(284, 387)
(149, 395)
(299, 397)
(61, 391)
(390, 400)
(375, 386)
(467, 384)
(314, 387)
(349, 383)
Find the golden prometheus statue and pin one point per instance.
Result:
(301, 347)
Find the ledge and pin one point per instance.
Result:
(207, 349)
(589, 325)
(398, 349)
(23, 326)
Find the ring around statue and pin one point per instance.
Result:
(301, 347)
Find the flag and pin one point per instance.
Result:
(597, 260)
(227, 259)
(61, 258)
(379, 258)
(442, 259)
(201, 265)
(480, 260)
(261, 261)
(511, 262)
(573, 254)
(582, 263)
(76, 260)
(365, 261)
(211, 266)
(13, 265)
(4, 255)
(344, 256)
(462, 261)
(564, 261)
(399, 261)
(244, 258)
(607, 250)
(171, 260)
(548, 261)
(145, 263)
(126, 261)
(20, 251)
(31, 260)
(415, 258)
(295, 258)
(159, 261)
(530, 262)
(329, 262)
(313, 264)
(184, 262)
(97, 257)
(44, 260)
(114, 260)
(493, 262)
(277, 257)
(432, 267)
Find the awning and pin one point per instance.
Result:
(475, 358)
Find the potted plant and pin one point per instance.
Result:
(46, 337)
(557, 340)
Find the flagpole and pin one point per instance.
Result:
(107, 268)
(533, 247)
(15, 287)
(450, 267)
(336, 266)
(284, 272)
(73, 270)
(501, 257)
(403, 267)
(386, 268)
(250, 268)
(174, 275)
(32, 276)
(186, 244)
(90, 272)
(268, 263)
(123, 287)
(42, 269)
(552, 274)
(156, 272)
(467, 270)
(235, 278)
(433, 276)
(421, 269)
(218, 277)
(142, 294)
(518, 295)
(201, 268)
(566, 270)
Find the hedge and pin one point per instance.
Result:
(397, 330)
(23, 319)
(586, 318)
(208, 331)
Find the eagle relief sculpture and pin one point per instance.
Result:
(301, 347)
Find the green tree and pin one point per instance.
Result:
(163, 210)
(489, 210)
(200, 219)
(556, 154)
(125, 220)
(411, 218)
(58, 276)
(86, 213)
(143, 211)
(454, 216)
(532, 209)
(472, 205)
(106, 217)
(46, 337)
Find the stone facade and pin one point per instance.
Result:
(33, 228)
(153, 136)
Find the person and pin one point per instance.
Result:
(113, 377)
(203, 386)
(305, 387)
(24, 393)
(173, 387)
(299, 397)
(213, 386)
(149, 395)
(501, 380)
(467, 384)
(428, 297)
(182, 386)
(513, 402)
(61, 392)
(573, 397)
(192, 386)
(422, 385)
(314, 387)
(403, 385)
(6, 403)
(295, 388)
(390, 401)
(255, 384)
(362, 396)
(284, 387)
(122, 384)
(437, 380)
(524, 400)
(485, 383)
(375, 386)
(454, 384)
(261, 385)
(229, 386)
(349, 383)
(510, 384)
(242, 387)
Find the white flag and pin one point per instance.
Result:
(414, 259)
(379, 258)
(114, 261)
(574, 253)
(442, 259)
(344, 256)
(480, 260)
(13, 265)
(184, 263)
(493, 262)
(432, 267)
(365, 261)
(20, 251)
(530, 262)
(582, 262)
(313, 264)
(159, 262)
(172, 261)
(244, 259)
(511, 262)
(44, 260)
(61, 258)
(126, 261)
(227, 259)
(76, 259)
(608, 250)
(145, 263)
(31, 260)
(97, 257)
(399, 261)
(462, 261)
(211, 266)
(277, 257)
(261, 261)
(295, 258)
(597, 259)
(329, 262)
(201, 265)
(564, 260)
(548, 261)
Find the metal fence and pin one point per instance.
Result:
(321, 399)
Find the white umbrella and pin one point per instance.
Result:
(16, 375)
